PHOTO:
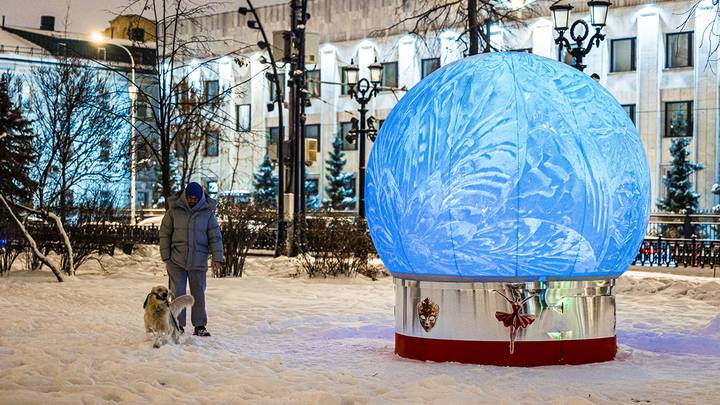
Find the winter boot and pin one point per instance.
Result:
(201, 331)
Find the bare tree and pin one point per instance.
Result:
(78, 143)
(183, 50)
(202, 129)
(426, 18)
(710, 33)
(49, 216)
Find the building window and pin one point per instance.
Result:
(678, 119)
(212, 188)
(390, 74)
(141, 109)
(136, 34)
(678, 50)
(242, 118)
(312, 188)
(274, 133)
(144, 109)
(101, 54)
(345, 128)
(105, 147)
(429, 65)
(630, 110)
(565, 57)
(212, 89)
(344, 87)
(273, 138)
(622, 55)
(664, 172)
(272, 87)
(313, 132)
(212, 144)
(180, 151)
(313, 83)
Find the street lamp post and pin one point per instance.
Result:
(132, 93)
(580, 29)
(256, 24)
(362, 91)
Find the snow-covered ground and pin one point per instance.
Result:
(278, 339)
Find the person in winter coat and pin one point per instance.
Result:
(188, 234)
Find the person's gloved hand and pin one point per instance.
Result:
(216, 266)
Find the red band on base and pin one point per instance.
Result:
(527, 353)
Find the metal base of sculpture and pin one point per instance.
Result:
(508, 323)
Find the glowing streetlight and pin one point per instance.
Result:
(99, 39)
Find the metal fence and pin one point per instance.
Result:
(702, 225)
(664, 246)
(678, 252)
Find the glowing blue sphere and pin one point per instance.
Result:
(507, 165)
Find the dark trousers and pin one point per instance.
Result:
(179, 279)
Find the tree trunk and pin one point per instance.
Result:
(32, 243)
(66, 241)
(165, 170)
(472, 27)
(63, 193)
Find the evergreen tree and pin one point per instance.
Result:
(680, 194)
(312, 202)
(341, 194)
(17, 155)
(266, 185)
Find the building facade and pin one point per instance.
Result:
(24, 50)
(656, 60)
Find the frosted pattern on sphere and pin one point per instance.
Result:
(508, 165)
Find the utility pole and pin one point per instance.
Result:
(279, 87)
(473, 29)
(298, 96)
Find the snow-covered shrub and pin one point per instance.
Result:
(336, 245)
(242, 227)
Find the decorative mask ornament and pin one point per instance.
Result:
(428, 313)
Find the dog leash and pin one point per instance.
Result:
(172, 316)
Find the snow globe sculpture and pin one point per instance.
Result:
(505, 193)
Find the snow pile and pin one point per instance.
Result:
(282, 339)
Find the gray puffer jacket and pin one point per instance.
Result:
(188, 235)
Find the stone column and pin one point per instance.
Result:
(649, 46)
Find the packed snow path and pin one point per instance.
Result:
(292, 340)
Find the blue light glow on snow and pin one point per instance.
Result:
(508, 165)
